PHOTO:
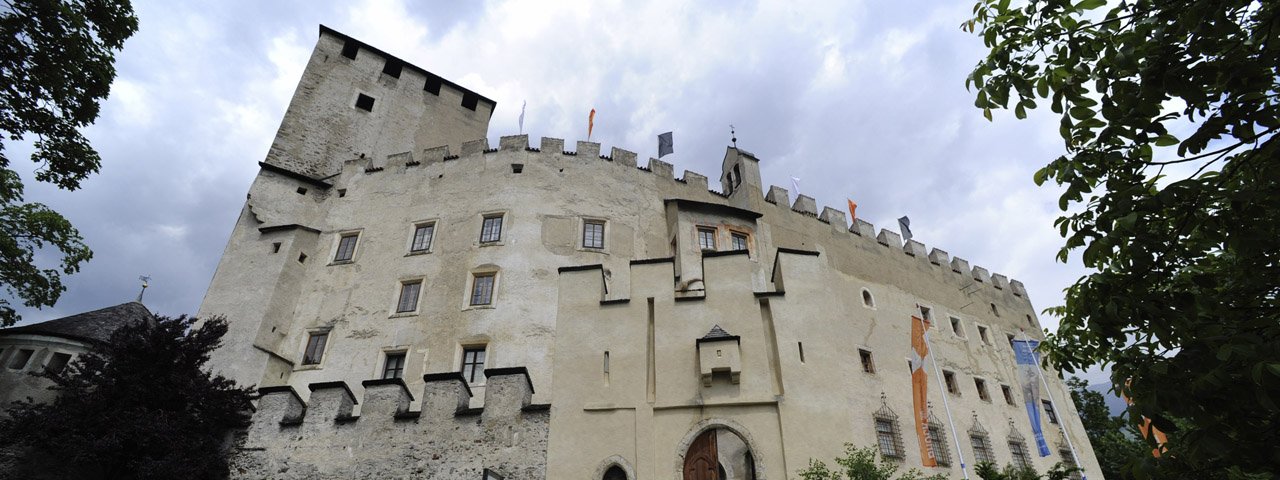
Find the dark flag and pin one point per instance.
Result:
(905, 223)
(664, 145)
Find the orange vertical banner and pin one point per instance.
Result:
(591, 123)
(853, 208)
(920, 388)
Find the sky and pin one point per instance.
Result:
(863, 100)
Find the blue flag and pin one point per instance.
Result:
(1028, 375)
(665, 147)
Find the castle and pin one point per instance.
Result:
(414, 303)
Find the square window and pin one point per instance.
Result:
(57, 363)
(350, 48)
(409, 292)
(482, 289)
(470, 100)
(315, 348)
(867, 365)
(982, 333)
(392, 68)
(473, 364)
(706, 238)
(982, 389)
(593, 234)
(950, 378)
(364, 102)
(738, 241)
(926, 314)
(491, 229)
(422, 235)
(393, 367)
(21, 358)
(1048, 411)
(433, 84)
(1008, 394)
(346, 247)
(956, 327)
(491, 475)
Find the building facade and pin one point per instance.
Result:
(675, 331)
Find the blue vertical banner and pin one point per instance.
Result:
(1029, 375)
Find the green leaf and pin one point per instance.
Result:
(1090, 4)
(1166, 140)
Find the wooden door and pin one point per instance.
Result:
(701, 461)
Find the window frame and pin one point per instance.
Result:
(952, 383)
(886, 439)
(413, 236)
(387, 356)
(981, 445)
(867, 359)
(1018, 450)
(746, 240)
(957, 327)
(492, 275)
(463, 363)
(984, 334)
(26, 362)
(980, 384)
(337, 248)
(55, 354)
(604, 229)
(496, 239)
(714, 236)
(1050, 413)
(308, 346)
(397, 311)
(1007, 391)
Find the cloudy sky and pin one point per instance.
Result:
(858, 99)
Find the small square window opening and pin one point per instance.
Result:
(868, 365)
(1049, 413)
(350, 48)
(981, 385)
(57, 363)
(422, 235)
(1008, 394)
(737, 241)
(956, 327)
(364, 102)
(950, 378)
(706, 238)
(21, 358)
(392, 68)
(982, 333)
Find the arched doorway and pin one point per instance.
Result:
(719, 454)
(615, 473)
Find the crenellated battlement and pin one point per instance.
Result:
(300, 438)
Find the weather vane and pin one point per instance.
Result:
(145, 280)
(733, 136)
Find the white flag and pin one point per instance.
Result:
(795, 183)
(525, 104)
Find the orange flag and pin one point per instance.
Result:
(920, 388)
(1148, 429)
(853, 207)
(591, 123)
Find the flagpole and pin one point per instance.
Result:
(1061, 422)
(955, 435)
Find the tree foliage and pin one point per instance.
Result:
(56, 65)
(141, 406)
(1115, 443)
(988, 471)
(1171, 196)
(860, 464)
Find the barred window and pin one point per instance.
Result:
(981, 449)
(473, 364)
(593, 234)
(315, 348)
(738, 241)
(938, 441)
(346, 247)
(394, 366)
(482, 289)
(707, 238)
(888, 437)
(1019, 451)
(491, 230)
(422, 235)
(409, 296)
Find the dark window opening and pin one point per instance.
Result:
(867, 365)
(951, 382)
(342, 192)
(393, 68)
(433, 84)
(275, 247)
(800, 345)
(867, 300)
(469, 101)
(995, 311)
(315, 348)
(302, 190)
(350, 49)
(982, 332)
(473, 364)
(1048, 411)
(57, 363)
(517, 167)
(394, 366)
(616, 473)
(1030, 321)
(1008, 394)
(364, 102)
(302, 258)
(982, 389)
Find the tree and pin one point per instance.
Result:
(1171, 196)
(56, 64)
(139, 406)
(1115, 443)
(860, 464)
(988, 471)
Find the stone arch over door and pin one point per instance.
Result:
(615, 461)
(748, 449)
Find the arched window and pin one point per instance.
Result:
(615, 473)
(867, 300)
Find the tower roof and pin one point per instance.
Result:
(93, 326)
